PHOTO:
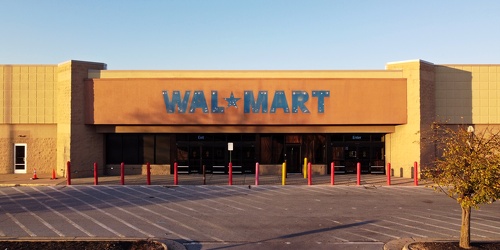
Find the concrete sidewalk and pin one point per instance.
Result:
(212, 179)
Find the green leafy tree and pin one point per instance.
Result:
(466, 168)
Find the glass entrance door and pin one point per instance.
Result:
(20, 158)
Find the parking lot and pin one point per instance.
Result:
(240, 216)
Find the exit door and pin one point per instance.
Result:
(20, 158)
(293, 159)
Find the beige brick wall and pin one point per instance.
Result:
(76, 142)
(403, 146)
(27, 94)
(41, 147)
(27, 115)
(468, 94)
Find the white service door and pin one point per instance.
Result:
(20, 158)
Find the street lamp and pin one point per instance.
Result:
(470, 130)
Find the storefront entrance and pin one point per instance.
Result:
(293, 158)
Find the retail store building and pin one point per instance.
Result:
(81, 112)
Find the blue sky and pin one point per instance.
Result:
(249, 34)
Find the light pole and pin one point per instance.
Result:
(470, 130)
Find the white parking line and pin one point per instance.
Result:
(419, 229)
(184, 199)
(168, 218)
(239, 203)
(455, 224)
(426, 224)
(389, 228)
(84, 215)
(36, 216)
(98, 209)
(225, 204)
(114, 216)
(23, 227)
(58, 213)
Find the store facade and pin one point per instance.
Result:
(81, 112)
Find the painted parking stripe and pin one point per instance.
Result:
(177, 222)
(45, 223)
(189, 193)
(475, 221)
(426, 224)
(180, 198)
(57, 213)
(228, 188)
(390, 228)
(256, 192)
(419, 229)
(23, 227)
(455, 224)
(114, 216)
(83, 215)
(97, 209)
(192, 189)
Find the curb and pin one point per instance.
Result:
(167, 243)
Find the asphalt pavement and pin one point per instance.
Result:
(216, 215)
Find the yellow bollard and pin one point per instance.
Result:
(283, 174)
(304, 169)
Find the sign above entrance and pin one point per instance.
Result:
(178, 103)
(219, 101)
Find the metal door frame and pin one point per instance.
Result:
(20, 171)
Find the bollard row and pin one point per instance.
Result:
(307, 173)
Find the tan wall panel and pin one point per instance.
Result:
(41, 147)
(468, 94)
(350, 101)
(25, 95)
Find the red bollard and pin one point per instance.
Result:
(256, 174)
(176, 174)
(122, 173)
(68, 173)
(230, 173)
(388, 174)
(96, 181)
(332, 173)
(148, 173)
(358, 173)
(309, 174)
(415, 174)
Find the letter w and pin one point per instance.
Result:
(176, 100)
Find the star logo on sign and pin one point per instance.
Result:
(231, 101)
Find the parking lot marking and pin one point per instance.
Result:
(89, 217)
(23, 227)
(239, 203)
(180, 198)
(83, 214)
(177, 222)
(45, 223)
(114, 216)
(57, 213)
(426, 224)
(212, 195)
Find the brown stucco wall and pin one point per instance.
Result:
(350, 101)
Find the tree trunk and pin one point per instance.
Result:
(465, 228)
